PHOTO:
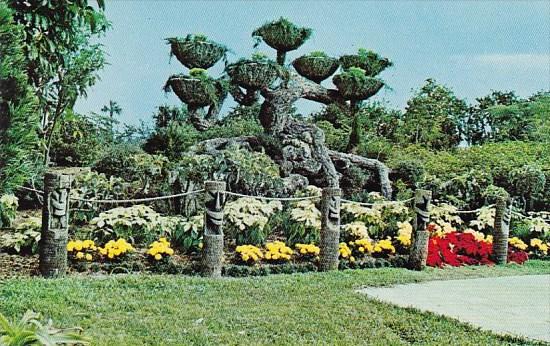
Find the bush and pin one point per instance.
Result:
(116, 160)
(463, 175)
(139, 224)
(8, 210)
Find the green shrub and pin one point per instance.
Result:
(463, 175)
(116, 160)
(248, 220)
(188, 234)
(24, 239)
(139, 224)
(8, 209)
(95, 186)
(78, 142)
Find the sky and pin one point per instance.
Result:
(472, 47)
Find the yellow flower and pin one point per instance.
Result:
(89, 257)
(158, 257)
(80, 255)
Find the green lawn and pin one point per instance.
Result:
(315, 308)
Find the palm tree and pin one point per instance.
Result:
(111, 110)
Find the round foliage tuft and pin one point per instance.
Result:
(316, 66)
(354, 84)
(282, 35)
(253, 74)
(369, 61)
(196, 51)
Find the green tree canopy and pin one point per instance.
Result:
(18, 117)
(433, 117)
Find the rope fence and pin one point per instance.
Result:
(137, 200)
(56, 210)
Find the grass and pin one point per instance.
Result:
(315, 308)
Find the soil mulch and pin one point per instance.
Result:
(12, 266)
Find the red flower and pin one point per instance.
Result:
(457, 249)
(517, 256)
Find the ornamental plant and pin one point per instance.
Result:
(277, 251)
(404, 237)
(383, 248)
(458, 249)
(538, 247)
(115, 250)
(517, 243)
(249, 254)
(188, 234)
(138, 223)
(24, 239)
(81, 250)
(362, 247)
(345, 252)
(305, 223)
(247, 219)
(8, 209)
(307, 251)
(30, 330)
(356, 230)
(160, 249)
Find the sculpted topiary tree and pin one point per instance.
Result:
(297, 146)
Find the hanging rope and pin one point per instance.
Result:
(29, 189)
(381, 203)
(282, 199)
(138, 200)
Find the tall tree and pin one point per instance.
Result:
(433, 117)
(111, 110)
(18, 113)
(61, 61)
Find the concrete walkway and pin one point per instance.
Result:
(517, 305)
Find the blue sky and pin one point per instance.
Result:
(470, 46)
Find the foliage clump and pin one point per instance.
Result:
(256, 73)
(355, 84)
(282, 35)
(196, 51)
(18, 111)
(316, 66)
(372, 63)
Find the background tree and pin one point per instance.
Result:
(61, 61)
(111, 110)
(433, 117)
(18, 114)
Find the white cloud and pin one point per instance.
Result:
(516, 61)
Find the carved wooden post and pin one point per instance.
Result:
(212, 252)
(330, 228)
(55, 224)
(502, 228)
(420, 236)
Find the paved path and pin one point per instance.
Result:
(517, 305)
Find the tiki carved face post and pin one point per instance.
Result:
(421, 207)
(330, 228)
(502, 229)
(420, 236)
(214, 207)
(212, 252)
(55, 224)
